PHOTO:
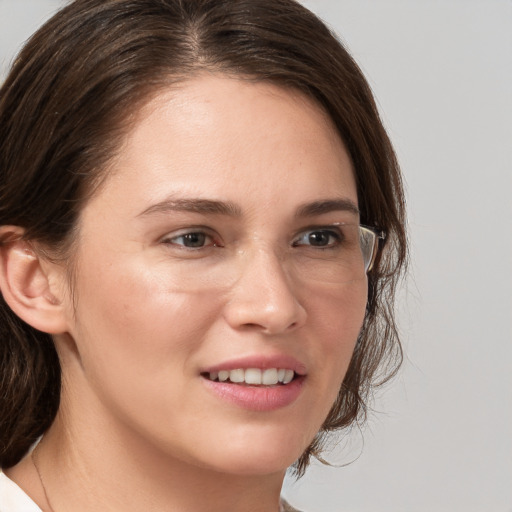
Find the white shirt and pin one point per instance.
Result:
(13, 499)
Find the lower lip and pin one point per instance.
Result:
(257, 398)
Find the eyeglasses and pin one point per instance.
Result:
(369, 238)
(334, 254)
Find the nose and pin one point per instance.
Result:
(264, 298)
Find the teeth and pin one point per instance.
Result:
(288, 376)
(255, 376)
(269, 377)
(236, 375)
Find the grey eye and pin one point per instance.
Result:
(193, 240)
(318, 238)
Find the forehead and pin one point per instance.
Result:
(235, 140)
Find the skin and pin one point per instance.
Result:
(148, 315)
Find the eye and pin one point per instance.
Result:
(190, 240)
(322, 238)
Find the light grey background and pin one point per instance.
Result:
(442, 74)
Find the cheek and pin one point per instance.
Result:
(339, 312)
(338, 318)
(136, 338)
(137, 323)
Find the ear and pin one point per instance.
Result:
(28, 283)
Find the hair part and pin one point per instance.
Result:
(71, 96)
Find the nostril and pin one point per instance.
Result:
(251, 326)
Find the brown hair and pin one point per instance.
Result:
(67, 103)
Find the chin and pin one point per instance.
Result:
(260, 465)
(261, 454)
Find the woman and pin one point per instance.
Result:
(201, 226)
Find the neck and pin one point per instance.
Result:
(83, 467)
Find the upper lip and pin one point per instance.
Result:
(259, 361)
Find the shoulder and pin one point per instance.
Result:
(285, 507)
(13, 499)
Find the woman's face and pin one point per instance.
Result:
(215, 249)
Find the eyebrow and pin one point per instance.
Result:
(327, 206)
(230, 209)
(204, 206)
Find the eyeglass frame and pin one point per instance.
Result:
(377, 236)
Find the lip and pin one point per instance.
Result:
(259, 361)
(258, 398)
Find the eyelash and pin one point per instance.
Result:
(171, 240)
(332, 233)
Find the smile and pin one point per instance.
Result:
(253, 376)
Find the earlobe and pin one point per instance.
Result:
(25, 283)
